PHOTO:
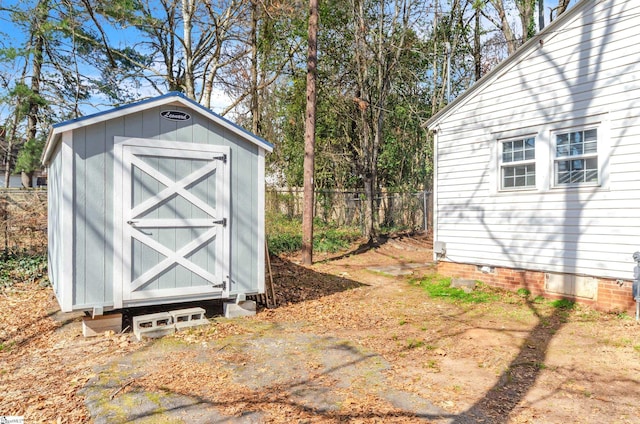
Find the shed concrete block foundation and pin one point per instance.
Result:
(185, 318)
(245, 308)
(153, 325)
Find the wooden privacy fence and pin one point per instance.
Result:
(404, 210)
(23, 221)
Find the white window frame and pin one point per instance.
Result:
(577, 156)
(515, 163)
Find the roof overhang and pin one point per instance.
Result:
(169, 99)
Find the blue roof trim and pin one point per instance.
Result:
(170, 94)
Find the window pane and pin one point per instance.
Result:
(591, 135)
(531, 180)
(562, 139)
(518, 150)
(562, 178)
(562, 151)
(577, 165)
(518, 176)
(591, 176)
(577, 176)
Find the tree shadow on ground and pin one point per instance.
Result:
(521, 374)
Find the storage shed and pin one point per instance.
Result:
(155, 202)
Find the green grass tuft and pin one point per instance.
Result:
(440, 287)
(564, 304)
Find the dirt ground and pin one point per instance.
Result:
(349, 342)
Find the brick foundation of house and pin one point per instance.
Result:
(612, 295)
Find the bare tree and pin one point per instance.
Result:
(309, 136)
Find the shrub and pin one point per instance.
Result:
(284, 235)
(23, 268)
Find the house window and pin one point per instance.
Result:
(518, 168)
(576, 157)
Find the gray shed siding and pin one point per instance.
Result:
(93, 198)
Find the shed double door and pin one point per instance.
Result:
(172, 203)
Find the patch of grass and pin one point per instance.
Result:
(622, 315)
(413, 344)
(539, 299)
(23, 268)
(284, 235)
(637, 348)
(522, 292)
(402, 322)
(440, 287)
(563, 304)
(622, 342)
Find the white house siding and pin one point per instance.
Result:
(584, 71)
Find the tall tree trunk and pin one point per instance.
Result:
(36, 77)
(477, 51)
(188, 8)
(310, 136)
(505, 27)
(255, 113)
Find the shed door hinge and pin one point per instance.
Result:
(222, 157)
(222, 286)
(222, 221)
